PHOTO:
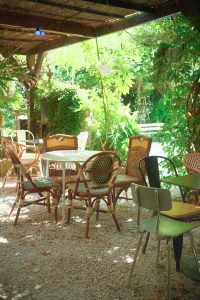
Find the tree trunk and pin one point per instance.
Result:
(34, 65)
(193, 116)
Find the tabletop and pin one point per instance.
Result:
(73, 156)
(191, 181)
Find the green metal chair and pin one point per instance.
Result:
(157, 200)
(95, 183)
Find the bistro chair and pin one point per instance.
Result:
(191, 161)
(94, 183)
(158, 200)
(182, 211)
(30, 162)
(61, 142)
(25, 137)
(43, 187)
(139, 146)
(82, 140)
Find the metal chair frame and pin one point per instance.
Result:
(157, 200)
(94, 183)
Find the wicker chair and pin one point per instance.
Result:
(61, 142)
(94, 183)
(139, 146)
(191, 161)
(30, 162)
(43, 187)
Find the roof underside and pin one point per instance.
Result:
(66, 22)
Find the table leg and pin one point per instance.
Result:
(63, 192)
(178, 245)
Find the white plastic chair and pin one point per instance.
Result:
(24, 137)
(82, 140)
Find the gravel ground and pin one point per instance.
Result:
(43, 260)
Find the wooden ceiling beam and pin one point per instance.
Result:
(191, 10)
(167, 9)
(50, 45)
(78, 9)
(140, 18)
(123, 4)
(136, 19)
(17, 40)
(24, 20)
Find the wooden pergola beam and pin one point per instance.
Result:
(77, 9)
(191, 10)
(136, 19)
(18, 19)
(59, 42)
(124, 4)
(140, 18)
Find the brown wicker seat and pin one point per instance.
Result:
(191, 161)
(28, 155)
(139, 146)
(94, 183)
(43, 187)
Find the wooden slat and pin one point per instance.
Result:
(64, 41)
(136, 19)
(25, 20)
(124, 4)
(77, 9)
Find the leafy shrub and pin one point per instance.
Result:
(65, 114)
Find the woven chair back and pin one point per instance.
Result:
(19, 169)
(139, 146)
(100, 171)
(191, 162)
(60, 142)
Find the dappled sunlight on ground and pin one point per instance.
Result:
(44, 260)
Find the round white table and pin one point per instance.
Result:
(65, 157)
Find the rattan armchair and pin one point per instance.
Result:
(139, 146)
(191, 161)
(43, 187)
(61, 142)
(29, 156)
(94, 183)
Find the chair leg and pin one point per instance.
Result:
(158, 254)
(88, 214)
(69, 207)
(9, 172)
(17, 215)
(194, 251)
(96, 208)
(169, 269)
(135, 258)
(14, 204)
(116, 221)
(144, 248)
(111, 210)
(178, 245)
(48, 202)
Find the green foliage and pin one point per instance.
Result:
(65, 114)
